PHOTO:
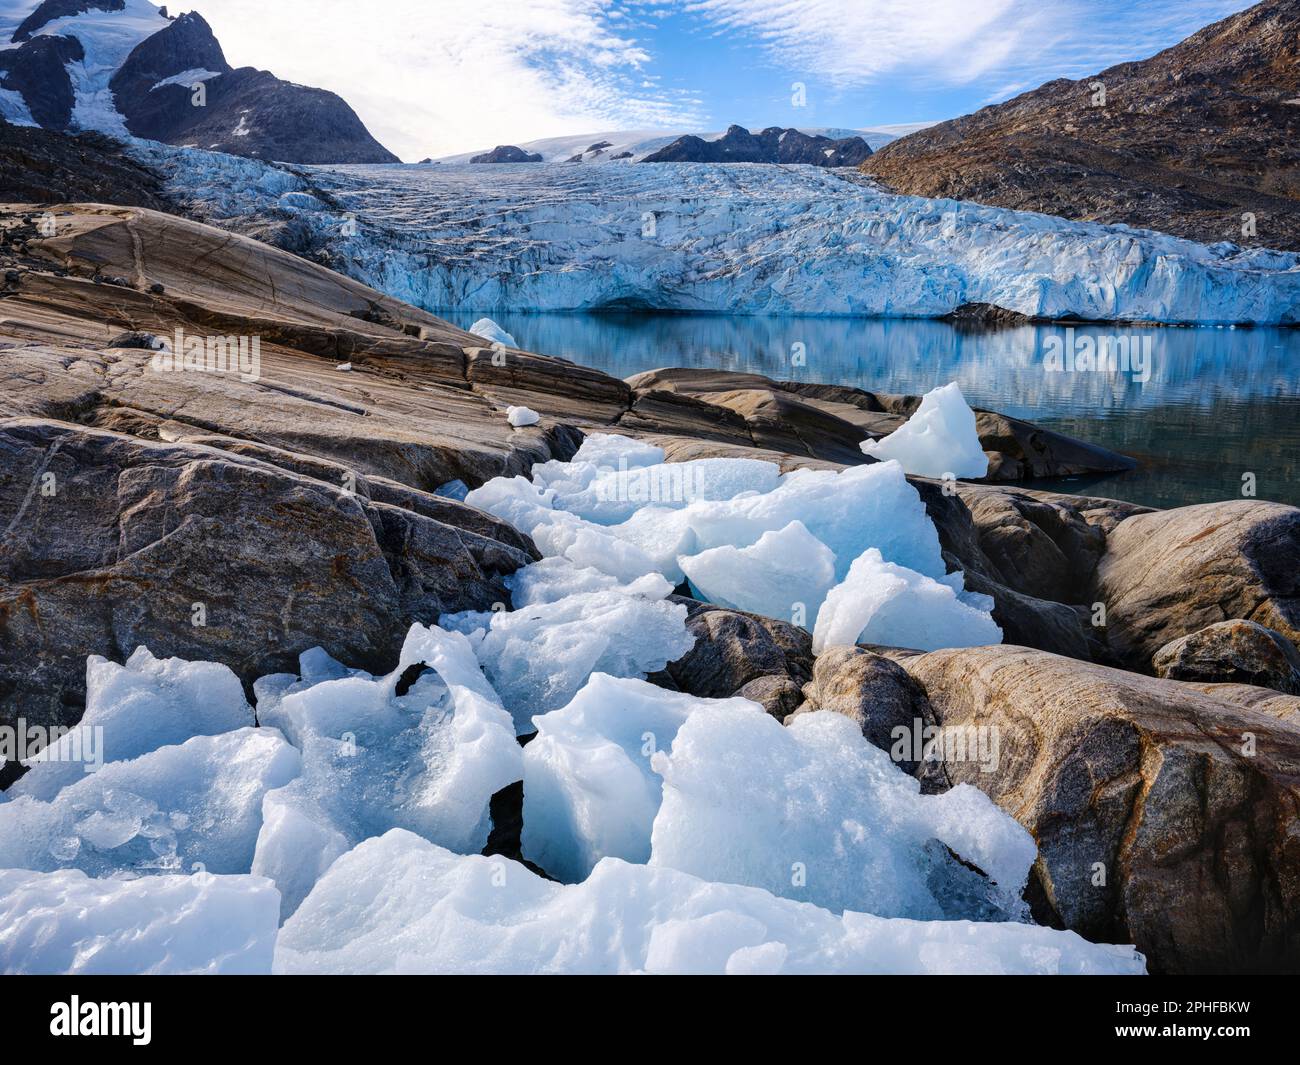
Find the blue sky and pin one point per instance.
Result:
(436, 77)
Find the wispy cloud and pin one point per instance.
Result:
(436, 77)
(854, 43)
(454, 75)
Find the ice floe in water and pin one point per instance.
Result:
(938, 440)
(492, 333)
(67, 922)
(399, 904)
(746, 536)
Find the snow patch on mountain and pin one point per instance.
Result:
(107, 38)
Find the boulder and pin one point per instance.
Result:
(1168, 574)
(1232, 652)
(110, 542)
(735, 650)
(877, 694)
(1165, 816)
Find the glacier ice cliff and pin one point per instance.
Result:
(733, 238)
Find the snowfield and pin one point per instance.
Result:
(734, 238)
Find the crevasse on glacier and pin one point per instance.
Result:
(734, 238)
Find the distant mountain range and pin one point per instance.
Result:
(635, 145)
(125, 67)
(1201, 140)
(772, 145)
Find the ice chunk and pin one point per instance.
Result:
(429, 760)
(521, 416)
(134, 709)
(199, 802)
(612, 494)
(610, 450)
(67, 923)
(398, 904)
(816, 813)
(781, 572)
(537, 658)
(492, 333)
(552, 579)
(457, 489)
(589, 790)
(848, 511)
(939, 439)
(879, 602)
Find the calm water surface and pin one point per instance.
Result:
(1215, 404)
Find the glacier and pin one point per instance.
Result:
(724, 238)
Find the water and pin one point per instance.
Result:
(1216, 406)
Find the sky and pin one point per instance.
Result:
(437, 77)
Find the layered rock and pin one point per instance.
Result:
(1232, 652)
(1164, 816)
(1167, 574)
(829, 422)
(112, 542)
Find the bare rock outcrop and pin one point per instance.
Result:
(1232, 652)
(1165, 816)
(1168, 574)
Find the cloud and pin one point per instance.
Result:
(854, 43)
(434, 78)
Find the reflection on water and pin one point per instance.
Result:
(1213, 404)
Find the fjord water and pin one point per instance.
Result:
(1216, 404)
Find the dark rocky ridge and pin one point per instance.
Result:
(39, 166)
(49, 10)
(1187, 142)
(772, 145)
(243, 111)
(507, 153)
(37, 70)
(246, 112)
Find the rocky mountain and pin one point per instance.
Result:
(40, 166)
(772, 145)
(507, 153)
(1201, 140)
(125, 67)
